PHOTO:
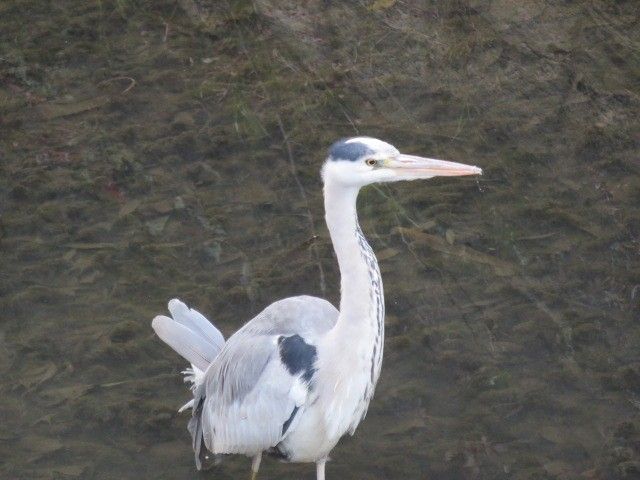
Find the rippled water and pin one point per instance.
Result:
(152, 149)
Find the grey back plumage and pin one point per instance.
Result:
(302, 314)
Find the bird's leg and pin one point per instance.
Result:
(320, 469)
(255, 466)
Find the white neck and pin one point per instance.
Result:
(355, 344)
(361, 295)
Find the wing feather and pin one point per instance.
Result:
(249, 396)
(250, 391)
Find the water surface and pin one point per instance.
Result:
(154, 149)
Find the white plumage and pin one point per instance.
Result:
(301, 374)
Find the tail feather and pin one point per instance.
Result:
(194, 320)
(191, 335)
(189, 344)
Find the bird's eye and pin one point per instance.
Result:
(371, 162)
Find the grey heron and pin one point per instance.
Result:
(300, 375)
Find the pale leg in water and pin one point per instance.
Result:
(255, 466)
(320, 469)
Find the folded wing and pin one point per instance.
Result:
(262, 380)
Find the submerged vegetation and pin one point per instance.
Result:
(152, 149)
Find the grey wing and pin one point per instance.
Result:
(261, 380)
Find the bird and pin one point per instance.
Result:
(301, 374)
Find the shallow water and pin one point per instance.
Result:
(153, 149)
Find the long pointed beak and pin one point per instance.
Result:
(411, 166)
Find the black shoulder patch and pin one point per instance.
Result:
(352, 151)
(285, 425)
(298, 356)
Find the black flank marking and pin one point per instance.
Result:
(285, 425)
(198, 409)
(207, 459)
(298, 356)
(278, 453)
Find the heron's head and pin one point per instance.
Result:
(359, 161)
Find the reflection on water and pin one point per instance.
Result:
(144, 157)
